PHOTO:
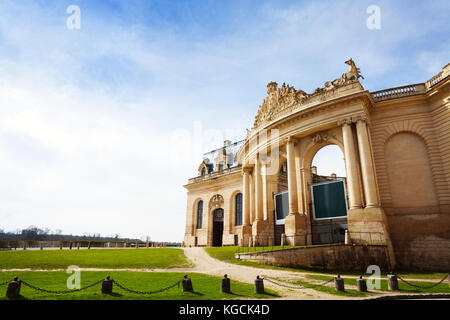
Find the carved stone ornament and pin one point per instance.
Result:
(280, 99)
(320, 137)
(216, 201)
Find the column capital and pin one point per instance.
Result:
(344, 121)
(247, 170)
(358, 118)
(352, 119)
(290, 139)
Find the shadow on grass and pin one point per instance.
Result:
(196, 293)
(114, 294)
(19, 297)
(271, 294)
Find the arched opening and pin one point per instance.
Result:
(217, 227)
(328, 199)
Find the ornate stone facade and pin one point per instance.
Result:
(396, 148)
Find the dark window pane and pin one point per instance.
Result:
(199, 214)
(238, 209)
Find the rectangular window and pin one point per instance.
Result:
(281, 207)
(329, 200)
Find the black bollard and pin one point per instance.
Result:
(13, 289)
(187, 284)
(361, 284)
(225, 284)
(107, 285)
(339, 283)
(259, 285)
(392, 282)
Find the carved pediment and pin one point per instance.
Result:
(283, 98)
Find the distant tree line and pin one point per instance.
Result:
(33, 233)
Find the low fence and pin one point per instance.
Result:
(14, 287)
(74, 244)
(107, 284)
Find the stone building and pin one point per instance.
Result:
(396, 147)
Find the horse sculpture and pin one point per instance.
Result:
(354, 72)
(352, 75)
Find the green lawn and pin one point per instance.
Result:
(403, 287)
(205, 287)
(227, 254)
(94, 258)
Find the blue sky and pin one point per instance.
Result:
(100, 127)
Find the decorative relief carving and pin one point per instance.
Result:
(216, 201)
(320, 137)
(287, 97)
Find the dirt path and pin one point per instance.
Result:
(204, 263)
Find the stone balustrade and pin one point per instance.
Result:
(215, 174)
(398, 92)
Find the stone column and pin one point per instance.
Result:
(264, 192)
(258, 190)
(299, 181)
(351, 165)
(295, 224)
(252, 198)
(292, 179)
(367, 170)
(246, 196)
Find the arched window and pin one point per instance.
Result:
(238, 209)
(199, 214)
(203, 171)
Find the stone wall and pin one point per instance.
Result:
(326, 257)
(429, 253)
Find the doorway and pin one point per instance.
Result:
(217, 227)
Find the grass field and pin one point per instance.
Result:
(227, 254)
(94, 258)
(205, 286)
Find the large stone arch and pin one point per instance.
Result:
(312, 148)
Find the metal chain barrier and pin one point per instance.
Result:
(422, 287)
(297, 287)
(60, 291)
(147, 292)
